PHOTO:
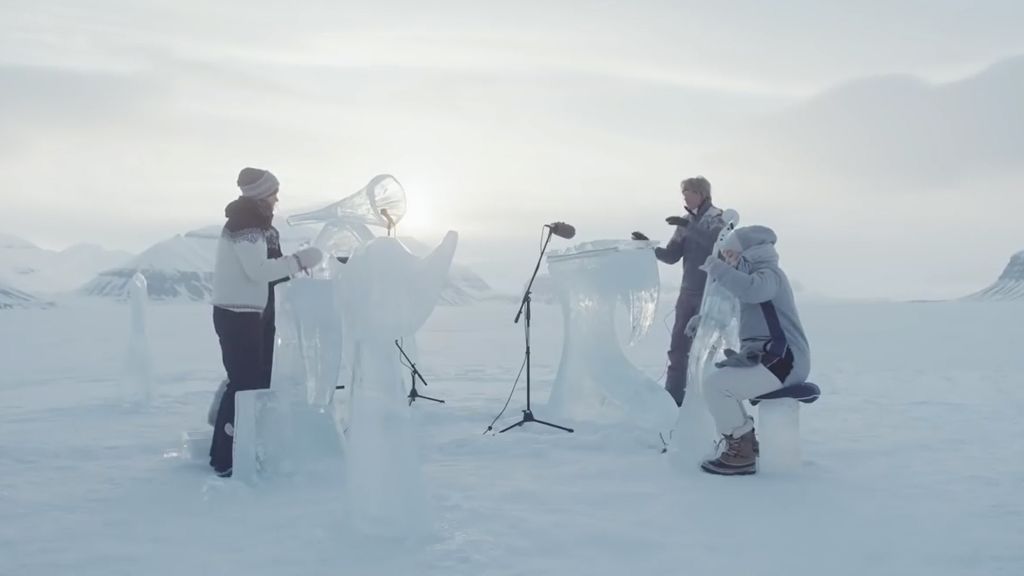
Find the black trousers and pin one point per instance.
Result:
(247, 350)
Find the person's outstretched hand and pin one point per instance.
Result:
(309, 257)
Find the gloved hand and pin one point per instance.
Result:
(710, 262)
(678, 221)
(692, 325)
(640, 236)
(309, 257)
(743, 359)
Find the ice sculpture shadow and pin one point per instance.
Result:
(386, 293)
(595, 378)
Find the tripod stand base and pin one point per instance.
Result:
(414, 395)
(528, 417)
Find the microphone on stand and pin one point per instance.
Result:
(391, 221)
(561, 229)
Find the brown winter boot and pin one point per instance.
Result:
(738, 457)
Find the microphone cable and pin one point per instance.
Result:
(507, 400)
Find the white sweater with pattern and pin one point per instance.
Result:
(242, 271)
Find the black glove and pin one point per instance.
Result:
(640, 236)
(678, 221)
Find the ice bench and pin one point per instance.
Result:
(779, 425)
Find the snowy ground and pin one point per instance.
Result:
(913, 460)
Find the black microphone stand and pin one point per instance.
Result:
(525, 306)
(413, 393)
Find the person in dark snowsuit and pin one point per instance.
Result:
(692, 242)
(249, 262)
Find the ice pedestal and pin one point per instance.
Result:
(308, 352)
(595, 379)
(778, 431)
(386, 294)
(137, 380)
(195, 445)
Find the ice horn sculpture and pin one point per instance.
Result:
(346, 223)
(591, 279)
(387, 293)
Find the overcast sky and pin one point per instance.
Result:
(125, 121)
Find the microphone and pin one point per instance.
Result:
(391, 221)
(562, 230)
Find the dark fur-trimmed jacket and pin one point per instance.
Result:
(248, 258)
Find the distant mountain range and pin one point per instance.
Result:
(30, 269)
(177, 268)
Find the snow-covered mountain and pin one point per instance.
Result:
(178, 268)
(29, 268)
(1009, 285)
(11, 297)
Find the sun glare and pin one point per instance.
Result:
(420, 216)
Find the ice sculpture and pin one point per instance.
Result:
(591, 279)
(293, 424)
(386, 293)
(292, 427)
(308, 353)
(276, 435)
(694, 436)
(346, 222)
(137, 380)
(310, 342)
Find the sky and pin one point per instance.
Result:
(875, 137)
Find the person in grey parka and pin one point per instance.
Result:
(692, 242)
(773, 348)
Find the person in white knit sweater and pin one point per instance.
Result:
(249, 263)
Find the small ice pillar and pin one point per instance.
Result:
(387, 293)
(778, 431)
(136, 382)
(591, 279)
